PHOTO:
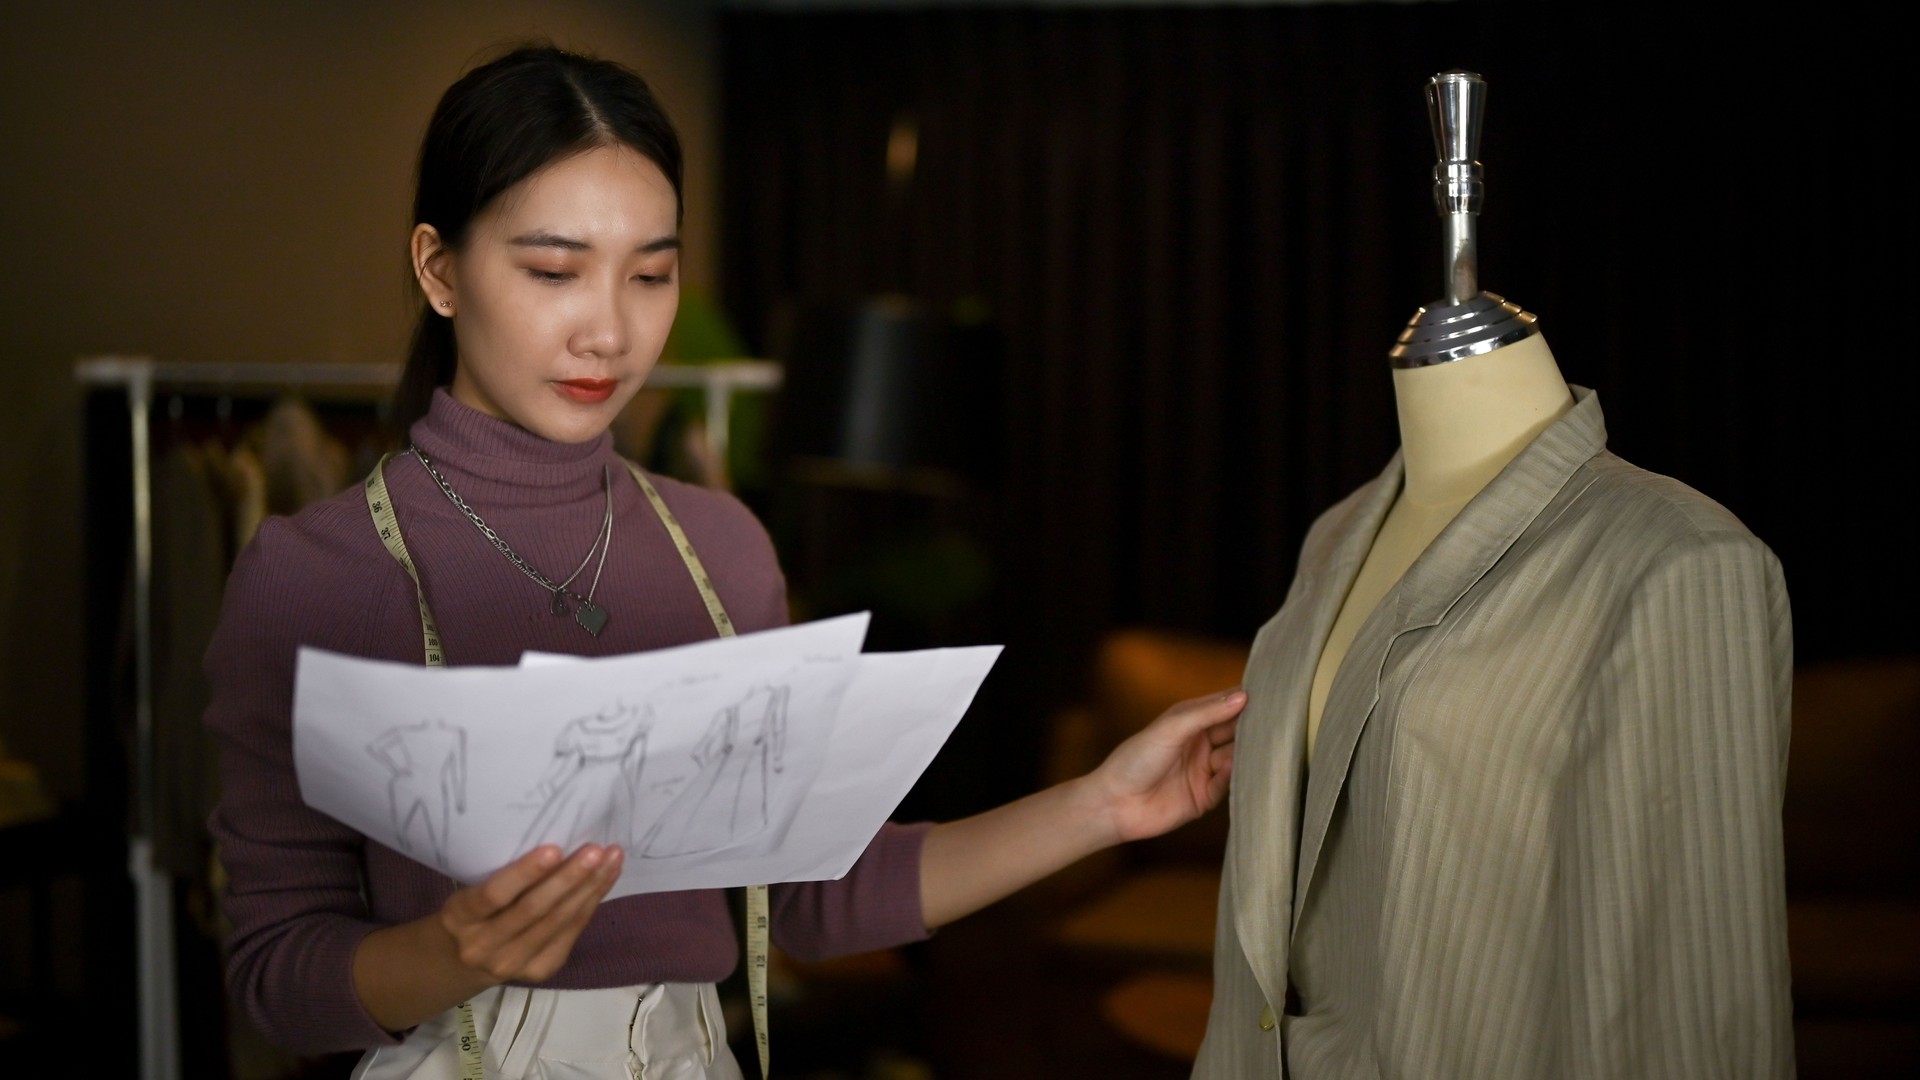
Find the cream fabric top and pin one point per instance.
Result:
(1541, 837)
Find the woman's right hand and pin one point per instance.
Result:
(519, 925)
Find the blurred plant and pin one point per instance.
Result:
(667, 428)
(920, 577)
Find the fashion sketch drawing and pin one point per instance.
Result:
(428, 762)
(591, 791)
(736, 763)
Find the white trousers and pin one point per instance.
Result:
(663, 1031)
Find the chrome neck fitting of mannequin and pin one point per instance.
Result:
(1468, 322)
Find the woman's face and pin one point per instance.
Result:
(563, 293)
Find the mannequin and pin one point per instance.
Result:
(1460, 423)
(1473, 390)
(1507, 800)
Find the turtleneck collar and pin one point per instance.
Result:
(494, 462)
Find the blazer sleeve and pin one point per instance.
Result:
(1672, 912)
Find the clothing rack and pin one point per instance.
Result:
(142, 379)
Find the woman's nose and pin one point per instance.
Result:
(602, 329)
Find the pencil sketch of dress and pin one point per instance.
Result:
(429, 783)
(726, 801)
(591, 790)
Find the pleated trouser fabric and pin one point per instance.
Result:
(663, 1031)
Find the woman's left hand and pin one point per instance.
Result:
(1173, 770)
(1169, 773)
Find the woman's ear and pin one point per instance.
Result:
(433, 268)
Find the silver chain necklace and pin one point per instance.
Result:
(591, 617)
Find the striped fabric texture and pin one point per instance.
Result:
(1541, 832)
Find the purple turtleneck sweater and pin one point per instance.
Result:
(303, 888)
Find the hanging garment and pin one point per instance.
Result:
(189, 571)
(1541, 833)
(299, 462)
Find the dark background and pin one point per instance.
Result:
(1199, 231)
(1194, 233)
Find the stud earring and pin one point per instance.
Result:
(446, 303)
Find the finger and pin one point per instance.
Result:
(548, 958)
(1232, 698)
(539, 950)
(507, 923)
(503, 945)
(549, 893)
(575, 906)
(1198, 714)
(1215, 760)
(1218, 784)
(1211, 757)
(1204, 745)
(505, 885)
(1220, 756)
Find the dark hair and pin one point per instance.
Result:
(501, 123)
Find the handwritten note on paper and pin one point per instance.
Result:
(768, 757)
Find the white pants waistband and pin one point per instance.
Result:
(661, 1031)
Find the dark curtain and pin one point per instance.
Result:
(1199, 230)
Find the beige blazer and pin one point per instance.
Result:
(1541, 834)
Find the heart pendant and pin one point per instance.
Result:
(592, 619)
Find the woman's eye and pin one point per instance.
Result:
(653, 279)
(551, 277)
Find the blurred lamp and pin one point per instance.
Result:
(885, 393)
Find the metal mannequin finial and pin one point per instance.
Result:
(1468, 322)
(1456, 104)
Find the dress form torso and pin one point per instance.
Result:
(1460, 424)
(1544, 828)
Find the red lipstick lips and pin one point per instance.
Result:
(585, 391)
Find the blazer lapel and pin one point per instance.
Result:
(1484, 530)
(1264, 806)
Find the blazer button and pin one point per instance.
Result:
(1266, 1018)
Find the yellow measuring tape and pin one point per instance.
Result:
(380, 504)
(388, 523)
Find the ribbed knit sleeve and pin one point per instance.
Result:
(294, 893)
(876, 906)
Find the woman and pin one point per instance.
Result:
(546, 247)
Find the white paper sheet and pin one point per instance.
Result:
(769, 757)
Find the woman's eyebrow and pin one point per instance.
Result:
(550, 240)
(544, 239)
